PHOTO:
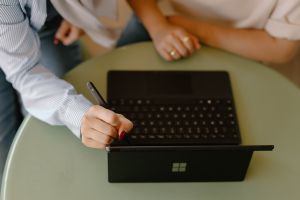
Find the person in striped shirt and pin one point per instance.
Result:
(31, 62)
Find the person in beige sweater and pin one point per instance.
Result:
(264, 30)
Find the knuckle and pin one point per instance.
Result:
(170, 37)
(112, 131)
(113, 118)
(130, 125)
(180, 31)
(184, 51)
(161, 46)
(190, 46)
(120, 116)
(84, 120)
(106, 140)
(92, 109)
(176, 56)
(84, 130)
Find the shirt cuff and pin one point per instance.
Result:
(77, 107)
(283, 30)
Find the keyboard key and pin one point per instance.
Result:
(151, 123)
(144, 109)
(195, 136)
(161, 136)
(133, 137)
(178, 136)
(142, 137)
(170, 109)
(166, 115)
(151, 136)
(150, 115)
(160, 123)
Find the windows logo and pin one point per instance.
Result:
(179, 167)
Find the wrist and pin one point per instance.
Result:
(158, 28)
(155, 23)
(204, 32)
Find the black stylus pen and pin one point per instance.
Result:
(100, 100)
(97, 96)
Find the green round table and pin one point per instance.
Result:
(48, 162)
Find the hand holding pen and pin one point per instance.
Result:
(100, 126)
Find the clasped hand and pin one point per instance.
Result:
(173, 42)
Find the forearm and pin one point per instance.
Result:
(43, 94)
(149, 13)
(250, 43)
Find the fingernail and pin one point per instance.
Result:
(55, 41)
(122, 135)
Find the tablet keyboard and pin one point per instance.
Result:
(172, 122)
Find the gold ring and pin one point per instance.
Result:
(186, 39)
(172, 52)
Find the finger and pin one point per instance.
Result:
(173, 53)
(188, 43)
(126, 124)
(165, 54)
(178, 46)
(99, 137)
(196, 42)
(105, 115)
(163, 49)
(62, 31)
(73, 35)
(187, 40)
(92, 143)
(102, 127)
(89, 132)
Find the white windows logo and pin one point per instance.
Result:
(179, 167)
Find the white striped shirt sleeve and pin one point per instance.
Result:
(44, 95)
